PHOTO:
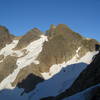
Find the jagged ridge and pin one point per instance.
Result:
(60, 47)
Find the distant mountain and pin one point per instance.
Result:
(34, 61)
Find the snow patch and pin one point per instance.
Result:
(8, 49)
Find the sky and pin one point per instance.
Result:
(82, 16)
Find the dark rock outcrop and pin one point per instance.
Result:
(33, 69)
(97, 47)
(48, 98)
(29, 83)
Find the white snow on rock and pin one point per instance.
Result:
(8, 49)
(33, 49)
(54, 69)
(59, 77)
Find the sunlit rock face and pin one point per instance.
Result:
(62, 45)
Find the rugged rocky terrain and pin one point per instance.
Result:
(34, 61)
(88, 78)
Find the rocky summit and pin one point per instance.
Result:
(5, 37)
(58, 65)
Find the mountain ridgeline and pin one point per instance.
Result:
(24, 60)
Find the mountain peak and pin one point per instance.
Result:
(4, 29)
(62, 30)
(30, 36)
(31, 59)
(34, 30)
(64, 27)
(5, 36)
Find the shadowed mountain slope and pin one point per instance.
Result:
(62, 45)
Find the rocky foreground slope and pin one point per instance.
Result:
(35, 61)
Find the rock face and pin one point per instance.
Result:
(25, 72)
(32, 35)
(5, 37)
(62, 45)
(7, 66)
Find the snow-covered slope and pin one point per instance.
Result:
(33, 50)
